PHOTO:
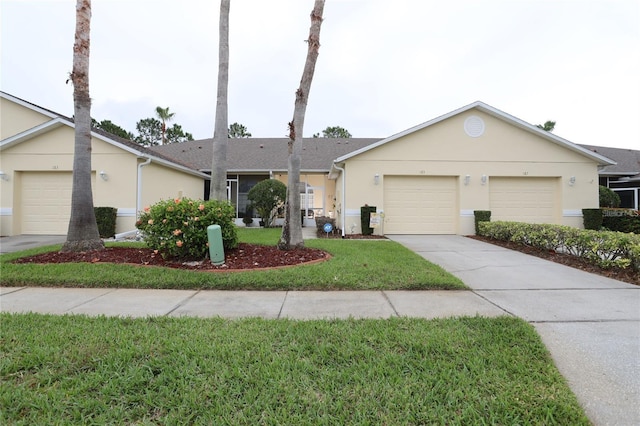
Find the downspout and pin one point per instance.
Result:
(344, 188)
(139, 190)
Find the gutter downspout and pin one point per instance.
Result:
(344, 188)
(139, 189)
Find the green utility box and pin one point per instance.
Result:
(216, 248)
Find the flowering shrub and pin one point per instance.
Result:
(178, 228)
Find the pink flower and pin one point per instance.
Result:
(201, 207)
(179, 243)
(147, 208)
(150, 221)
(196, 218)
(177, 232)
(177, 200)
(164, 220)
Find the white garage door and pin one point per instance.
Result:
(530, 200)
(46, 202)
(420, 205)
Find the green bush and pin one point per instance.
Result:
(621, 220)
(265, 196)
(481, 216)
(603, 248)
(365, 215)
(608, 198)
(106, 219)
(592, 218)
(178, 228)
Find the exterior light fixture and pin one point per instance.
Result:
(104, 175)
(483, 179)
(4, 176)
(572, 180)
(467, 178)
(376, 179)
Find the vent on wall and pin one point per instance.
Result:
(474, 126)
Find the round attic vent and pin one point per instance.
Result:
(474, 126)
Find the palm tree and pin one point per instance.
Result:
(164, 115)
(82, 234)
(292, 229)
(218, 188)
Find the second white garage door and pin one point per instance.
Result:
(420, 204)
(530, 200)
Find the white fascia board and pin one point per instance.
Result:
(33, 132)
(602, 160)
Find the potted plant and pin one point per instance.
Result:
(247, 218)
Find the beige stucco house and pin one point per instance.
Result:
(430, 178)
(36, 163)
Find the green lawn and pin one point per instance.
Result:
(355, 265)
(462, 371)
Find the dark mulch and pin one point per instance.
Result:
(246, 256)
(627, 275)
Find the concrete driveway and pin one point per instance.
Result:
(24, 242)
(589, 323)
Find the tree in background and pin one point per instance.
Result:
(292, 230)
(83, 234)
(218, 188)
(608, 197)
(150, 133)
(334, 132)
(112, 128)
(237, 130)
(164, 115)
(548, 126)
(265, 197)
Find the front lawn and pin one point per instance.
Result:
(461, 371)
(355, 265)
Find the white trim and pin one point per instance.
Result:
(128, 212)
(481, 106)
(352, 212)
(6, 211)
(572, 213)
(466, 213)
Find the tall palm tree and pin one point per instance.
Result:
(218, 188)
(292, 229)
(164, 115)
(82, 234)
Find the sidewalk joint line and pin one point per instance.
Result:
(384, 294)
(182, 303)
(286, 294)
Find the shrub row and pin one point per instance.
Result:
(603, 248)
(178, 228)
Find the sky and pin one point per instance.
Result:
(384, 65)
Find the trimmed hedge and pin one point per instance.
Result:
(592, 218)
(365, 212)
(603, 248)
(481, 216)
(621, 220)
(106, 219)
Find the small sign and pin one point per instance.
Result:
(374, 220)
(327, 227)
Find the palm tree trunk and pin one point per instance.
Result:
(292, 230)
(82, 234)
(218, 189)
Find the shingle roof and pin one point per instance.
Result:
(628, 160)
(263, 154)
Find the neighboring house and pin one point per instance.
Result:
(623, 177)
(251, 160)
(430, 178)
(36, 164)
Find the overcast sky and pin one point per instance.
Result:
(384, 65)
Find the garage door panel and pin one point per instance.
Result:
(420, 205)
(46, 202)
(530, 200)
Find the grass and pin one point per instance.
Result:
(355, 265)
(460, 371)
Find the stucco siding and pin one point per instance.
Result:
(15, 118)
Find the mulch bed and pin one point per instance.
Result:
(627, 275)
(244, 257)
